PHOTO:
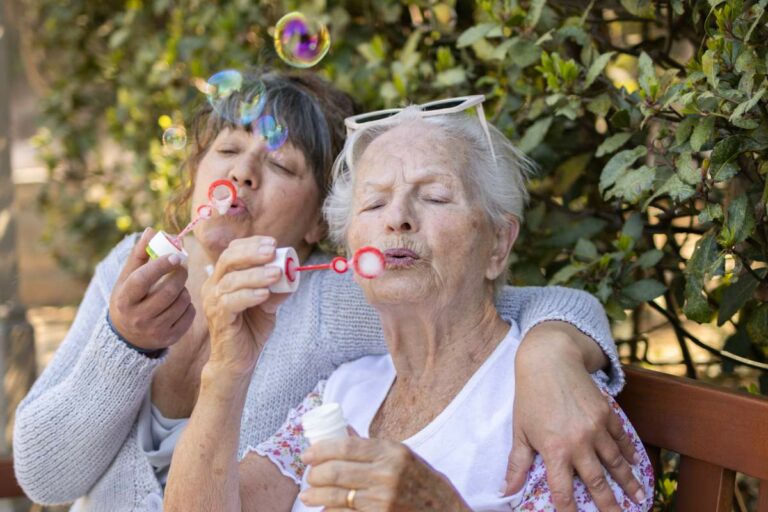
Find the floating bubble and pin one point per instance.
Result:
(253, 103)
(221, 86)
(175, 137)
(273, 132)
(301, 42)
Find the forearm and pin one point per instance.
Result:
(564, 341)
(204, 470)
(79, 413)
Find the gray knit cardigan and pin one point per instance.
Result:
(75, 433)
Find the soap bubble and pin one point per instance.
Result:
(273, 132)
(301, 42)
(221, 86)
(175, 137)
(253, 103)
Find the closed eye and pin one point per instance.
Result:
(282, 169)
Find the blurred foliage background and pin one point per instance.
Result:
(648, 118)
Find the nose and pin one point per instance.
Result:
(400, 217)
(246, 171)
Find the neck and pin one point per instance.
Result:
(431, 344)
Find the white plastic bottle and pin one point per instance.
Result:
(324, 422)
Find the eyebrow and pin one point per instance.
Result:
(422, 177)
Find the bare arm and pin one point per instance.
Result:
(205, 474)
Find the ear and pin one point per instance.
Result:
(505, 237)
(317, 230)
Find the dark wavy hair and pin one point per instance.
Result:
(311, 107)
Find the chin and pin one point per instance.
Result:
(396, 289)
(217, 237)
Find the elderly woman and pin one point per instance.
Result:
(101, 423)
(442, 196)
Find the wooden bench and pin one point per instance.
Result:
(717, 432)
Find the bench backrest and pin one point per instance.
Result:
(717, 433)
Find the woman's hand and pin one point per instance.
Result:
(560, 413)
(150, 306)
(238, 304)
(385, 475)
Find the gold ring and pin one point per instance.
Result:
(351, 498)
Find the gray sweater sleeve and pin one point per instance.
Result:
(343, 306)
(80, 410)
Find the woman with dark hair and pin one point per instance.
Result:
(101, 423)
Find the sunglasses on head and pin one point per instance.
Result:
(433, 108)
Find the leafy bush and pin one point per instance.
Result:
(648, 119)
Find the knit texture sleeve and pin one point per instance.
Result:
(530, 306)
(80, 410)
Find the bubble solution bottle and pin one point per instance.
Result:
(324, 422)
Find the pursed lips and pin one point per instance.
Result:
(400, 257)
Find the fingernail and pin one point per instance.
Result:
(266, 249)
(636, 458)
(174, 259)
(268, 241)
(639, 496)
(273, 272)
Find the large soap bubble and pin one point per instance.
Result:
(300, 41)
(274, 132)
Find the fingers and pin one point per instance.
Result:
(624, 442)
(339, 473)
(331, 498)
(353, 449)
(138, 255)
(560, 481)
(619, 469)
(140, 281)
(520, 460)
(593, 475)
(253, 278)
(237, 302)
(244, 253)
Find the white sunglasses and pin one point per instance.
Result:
(433, 108)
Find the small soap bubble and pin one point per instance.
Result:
(301, 42)
(253, 103)
(175, 137)
(274, 132)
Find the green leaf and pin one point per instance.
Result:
(566, 273)
(696, 307)
(704, 256)
(633, 184)
(710, 67)
(633, 227)
(640, 8)
(619, 163)
(597, 68)
(723, 153)
(738, 293)
(757, 325)
(711, 212)
(534, 135)
(474, 33)
(613, 143)
(600, 105)
(740, 221)
(650, 258)
(676, 188)
(644, 290)
(647, 74)
(585, 250)
(451, 77)
(534, 13)
(687, 170)
(746, 106)
(703, 133)
(684, 129)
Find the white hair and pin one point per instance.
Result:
(497, 184)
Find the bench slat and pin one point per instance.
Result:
(8, 486)
(702, 486)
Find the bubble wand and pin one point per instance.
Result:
(221, 195)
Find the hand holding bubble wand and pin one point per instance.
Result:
(221, 195)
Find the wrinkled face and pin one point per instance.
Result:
(410, 201)
(277, 193)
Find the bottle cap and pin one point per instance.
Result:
(324, 422)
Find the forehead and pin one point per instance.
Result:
(412, 146)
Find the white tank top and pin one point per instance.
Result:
(469, 441)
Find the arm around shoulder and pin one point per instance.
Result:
(79, 412)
